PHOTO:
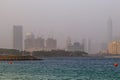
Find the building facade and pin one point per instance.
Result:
(51, 44)
(18, 37)
(39, 43)
(114, 47)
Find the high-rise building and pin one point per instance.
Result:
(86, 45)
(109, 24)
(29, 42)
(18, 37)
(39, 43)
(51, 44)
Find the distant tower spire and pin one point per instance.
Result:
(109, 24)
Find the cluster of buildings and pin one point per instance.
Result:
(31, 43)
(76, 46)
(113, 45)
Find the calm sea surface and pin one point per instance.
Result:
(61, 69)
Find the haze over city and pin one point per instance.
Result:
(60, 19)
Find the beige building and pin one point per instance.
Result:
(114, 47)
(33, 44)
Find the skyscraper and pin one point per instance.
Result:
(109, 24)
(18, 37)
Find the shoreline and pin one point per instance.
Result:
(17, 58)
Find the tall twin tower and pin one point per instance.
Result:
(110, 30)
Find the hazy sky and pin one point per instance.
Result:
(59, 18)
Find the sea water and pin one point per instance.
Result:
(61, 69)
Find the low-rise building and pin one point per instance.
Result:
(114, 47)
(76, 46)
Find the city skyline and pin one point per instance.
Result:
(86, 44)
(79, 19)
(109, 25)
